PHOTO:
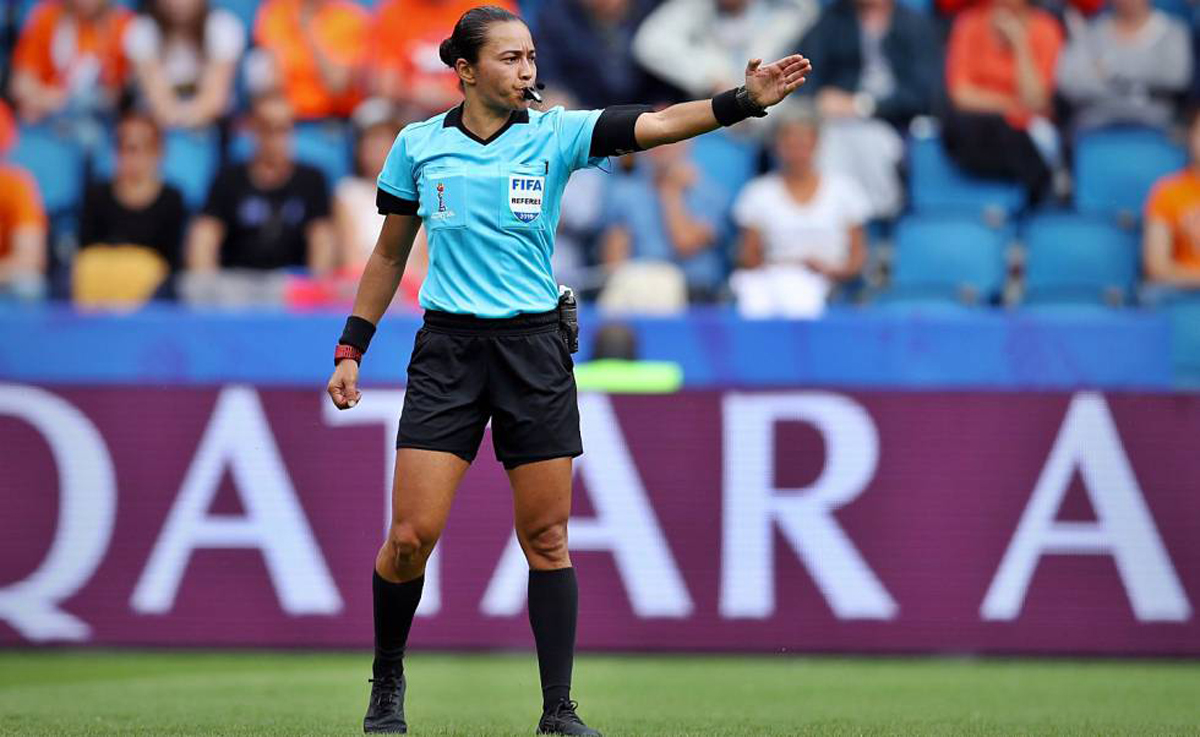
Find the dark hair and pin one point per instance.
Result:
(195, 30)
(134, 115)
(470, 33)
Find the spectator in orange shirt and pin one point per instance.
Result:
(408, 68)
(69, 58)
(1000, 79)
(1171, 242)
(22, 236)
(317, 50)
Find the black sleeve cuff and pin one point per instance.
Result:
(613, 134)
(390, 204)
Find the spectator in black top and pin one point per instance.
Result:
(876, 65)
(136, 208)
(268, 213)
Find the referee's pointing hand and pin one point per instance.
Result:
(343, 385)
(768, 85)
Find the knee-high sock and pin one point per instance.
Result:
(553, 609)
(394, 605)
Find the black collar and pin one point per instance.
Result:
(454, 120)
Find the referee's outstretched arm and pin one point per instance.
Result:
(765, 86)
(376, 289)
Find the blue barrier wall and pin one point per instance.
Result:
(985, 349)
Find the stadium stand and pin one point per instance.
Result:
(1115, 169)
(1078, 259)
(938, 185)
(948, 260)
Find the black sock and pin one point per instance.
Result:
(394, 604)
(553, 609)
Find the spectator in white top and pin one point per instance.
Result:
(1126, 67)
(185, 56)
(801, 229)
(701, 46)
(356, 216)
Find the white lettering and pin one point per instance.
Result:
(752, 505)
(87, 507)
(1123, 528)
(238, 436)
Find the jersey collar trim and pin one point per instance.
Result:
(453, 119)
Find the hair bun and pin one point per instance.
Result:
(448, 52)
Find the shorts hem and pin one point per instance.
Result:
(468, 457)
(511, 463)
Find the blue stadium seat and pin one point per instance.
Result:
(55, 162)
(245, 10)
(938, 185)
(725, 160)
(190, 160)
(1079, 259)
(1115, 169)
(323, 144)
(946, 259)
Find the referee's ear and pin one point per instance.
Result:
(466, 73)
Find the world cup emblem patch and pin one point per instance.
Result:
(441, 191)
(525, 197)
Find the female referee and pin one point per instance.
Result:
(485, 179)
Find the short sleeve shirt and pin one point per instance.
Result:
(490, 208)
(791, 230)
(266, 229)
(181, 61)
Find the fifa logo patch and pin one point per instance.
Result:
(525, 197)
(441, 190)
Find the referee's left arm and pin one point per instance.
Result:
(765, 86)
(385, 267)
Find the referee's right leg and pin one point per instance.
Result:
(422, 493)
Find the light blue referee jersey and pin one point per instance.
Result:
(490, 208)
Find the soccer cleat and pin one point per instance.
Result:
(562, 719)
(385, 713)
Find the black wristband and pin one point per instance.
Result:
(358, 333)
(734, 106)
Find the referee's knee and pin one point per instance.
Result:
(408, 545)
(546, 545)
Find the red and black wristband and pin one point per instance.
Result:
(356, 337)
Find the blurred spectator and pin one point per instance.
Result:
(185, 56)
(667, 213)
(136, 208)
(702, 46)
(317, 52)
(1000, 77)
(406, 64)
(69, 60)
(1125, 67)
(22, 236)
(8, 128)
(584, 48)
(1057, 7)
(876, 66)
(801, 229)
(1171, 246)
(268, 213)
(356, 216)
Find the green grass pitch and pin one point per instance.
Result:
(253, 693)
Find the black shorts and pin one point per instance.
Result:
(515, 371)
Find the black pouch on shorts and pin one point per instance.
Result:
(568, 317)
